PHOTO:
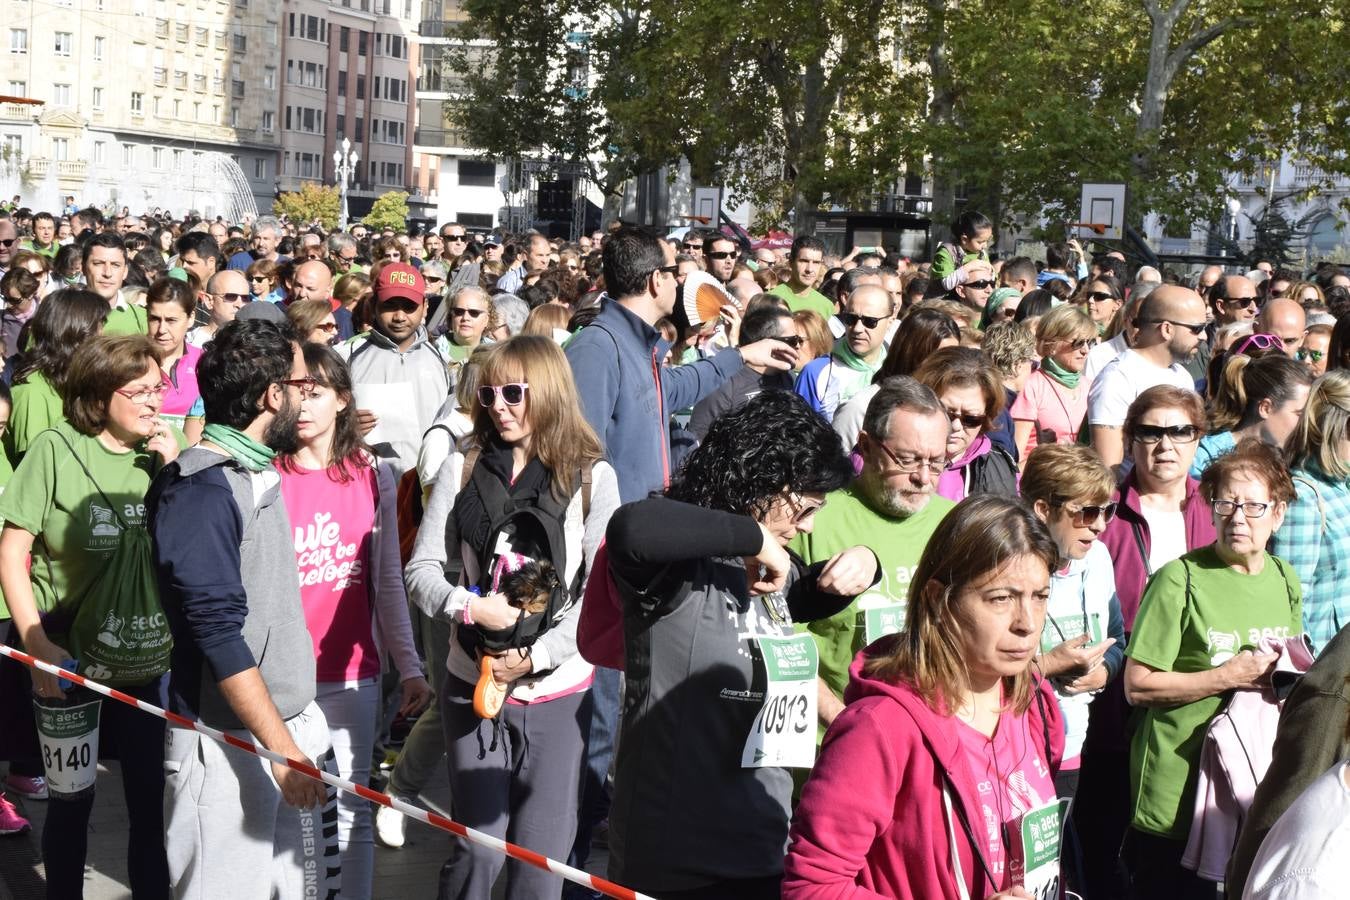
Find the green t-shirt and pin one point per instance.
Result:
(51, 497)
(847, 521)
(126, 319)
(48, 251)
(1227, 612)
(813, 300)
(37, 407)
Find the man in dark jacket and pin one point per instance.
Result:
(766, 322)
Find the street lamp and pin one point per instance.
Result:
(1234, 207)
(344, 167)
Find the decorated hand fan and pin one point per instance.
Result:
(703, 298)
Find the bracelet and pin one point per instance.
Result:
(467, 614)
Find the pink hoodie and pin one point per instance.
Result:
(871, 823)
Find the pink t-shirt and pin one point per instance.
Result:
(1053, 407)
(183, 391)
(1011, 777)
(332, 522)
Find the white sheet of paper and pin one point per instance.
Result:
(391, 405)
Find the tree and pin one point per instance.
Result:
(312, 203)
(390, 210)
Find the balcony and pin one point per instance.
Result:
(76, 169)
(440, 137)
(17, 112)
(162, 29)
(433, 28)
(161, 77)
(180, 80)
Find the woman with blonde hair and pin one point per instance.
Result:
(313, 321)
(515, 681)
(549, 320)
(811, 328)
(1053, 404)
(946, 722)
(1315, 537)
(1261, 398)
(351, 289)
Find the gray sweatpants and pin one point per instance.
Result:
(517, 778)
(229, 833)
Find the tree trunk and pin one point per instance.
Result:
(941, 110)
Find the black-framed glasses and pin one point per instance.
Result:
(688, 246)
(1240, 302)
(1177, 434)
(1250, 508)
(794, 341)
(456, 238)
(983, 284)
(512, 394)
(1100, 297)
(306, 386)
(1083, 516)
(1189, 326)
(1306, 355)
(267, 278)
(8, 243)
(465, 312)
(910, 464)
(967, 421)
(723, 254)
(869, 322)
(672, 269)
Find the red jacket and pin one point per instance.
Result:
(871, 821)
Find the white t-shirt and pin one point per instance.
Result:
(1125, 378)
(848, 418)
(1102, 354)
(1303, 856)
(1166, 536)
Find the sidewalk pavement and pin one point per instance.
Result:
(409, 873)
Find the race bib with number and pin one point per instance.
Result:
(784, 730)
(1070, 627)
(1033, 854)
(69, 739)
(879, 621)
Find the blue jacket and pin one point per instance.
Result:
(628, 397)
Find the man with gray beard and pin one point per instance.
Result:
(891, 507)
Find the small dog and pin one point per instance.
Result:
(530, 586)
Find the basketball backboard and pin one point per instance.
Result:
(1102, 216)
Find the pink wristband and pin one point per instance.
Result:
(467, 615)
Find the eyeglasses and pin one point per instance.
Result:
(673, 269)
(430, 278)
(1306, 355)
(265, 278)
(910, 465)
(1260, 342)
(1082, 344)
(1178, 434)
(306, 386)
(464, 312)
(869, 322)
(347, 259)
(512, 394)
(802, 511)
(1192, 328)
(1251, 509)
(1100, 297)
(8, 243)
(688, 246)
(234, 298)
(723, 254)
(1240, 301)
(142, 396)
(454, 238)
(1007, 312)
(327, 327)
(969, 422)
(1082, 516)
(983, 284)
(794, 341)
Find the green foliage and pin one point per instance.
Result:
(313, 202)
(390, 210)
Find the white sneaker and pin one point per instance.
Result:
(390, 827)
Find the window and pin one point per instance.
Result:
(269, 121)
(60, 95)
(155, 104)
(98, 98)
(359, 131)
(344, 37)
(60, 149)
(360, 87)
(234, 117)
(342, 84)
(240, 43)
(100, 153)
(14, 145)
(201, 35)
(99, 43)
(18, 40)
(178, 160)
(18, 88)
(180, 31)
(260, 168)
(362, 39)
(270, 78)
(137, 103)
(196, 112)
(157, 157)
(341, 124)
(237, 89)
(477, 173)
(178, 109)
(128, 156)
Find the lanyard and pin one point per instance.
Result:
(1143, 550)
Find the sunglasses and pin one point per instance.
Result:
(1006, 312)
(465, 312)
(1177, 434)
(689, 246)
(1251, 509)
(1260, 342)
(265, 278)
(454, 238)
(1193, 329)
(8, 243)
(1082, 344)
(235, 298)
(723, 254)
(1082, 516)
(968, 422)
(983, 284)
(1305, 355)
(794, 341)
(512, 394)
(869, 322)
(1100, 297)
(669, 270)
(1240, 302)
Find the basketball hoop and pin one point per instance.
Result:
(1096, 228)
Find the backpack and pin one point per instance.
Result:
(531, 531)
(408, 503)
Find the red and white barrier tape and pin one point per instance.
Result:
(608, 888)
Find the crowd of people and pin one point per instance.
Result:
(870, 578)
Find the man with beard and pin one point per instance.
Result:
(892, 507)
(243, 660)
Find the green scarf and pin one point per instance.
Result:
(844, 353)
(246, 451)
(1054, 370)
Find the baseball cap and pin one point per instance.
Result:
(492, 241)
(400, 280)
